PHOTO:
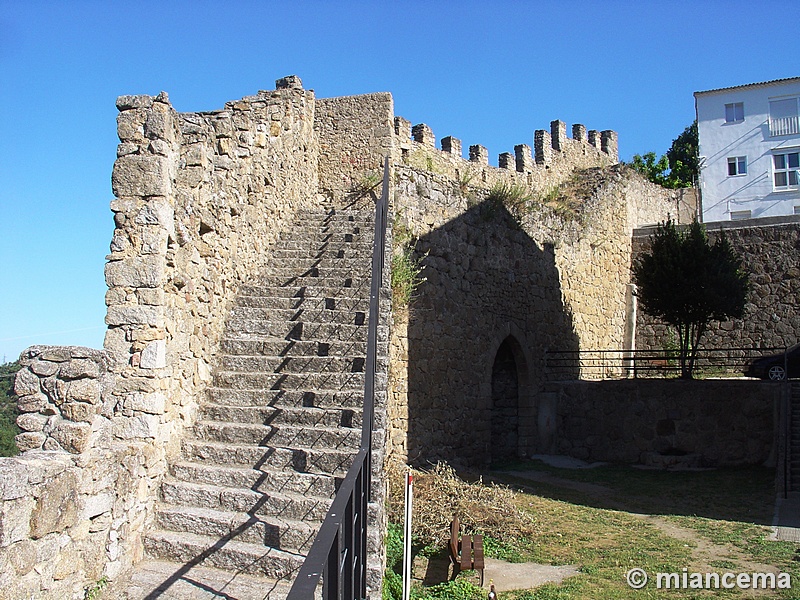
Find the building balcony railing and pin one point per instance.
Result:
(784, 126)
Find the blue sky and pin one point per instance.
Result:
(485, 72)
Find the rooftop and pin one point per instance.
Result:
(751, 85)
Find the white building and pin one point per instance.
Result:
(749, 150)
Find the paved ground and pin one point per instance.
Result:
(505, 576)
(524, 576)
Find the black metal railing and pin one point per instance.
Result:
(339, 552)
(618, 364)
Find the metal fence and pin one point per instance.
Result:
(339, 553)
(619, 364)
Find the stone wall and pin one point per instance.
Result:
(69, 509)
(200, 198)
(771, 252)
(552, 276)
(355, 135)
(664, 423)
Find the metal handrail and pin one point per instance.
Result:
(644, 362)
(338, 554)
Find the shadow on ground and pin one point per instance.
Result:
(744, 494)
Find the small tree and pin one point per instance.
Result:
(688, 283)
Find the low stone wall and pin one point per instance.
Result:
(662, 423)
(75, 499)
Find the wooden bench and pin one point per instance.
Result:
(466, 552)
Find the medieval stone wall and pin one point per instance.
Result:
(771, 252)
(552, 276)
(355, 135)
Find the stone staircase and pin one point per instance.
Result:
(280, 426)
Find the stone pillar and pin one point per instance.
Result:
(594, 138)
(558, 132)
(451, 145)
(579, 133)
(608, 144)
(290, 82)
(524, 162)
(424, 135)
(507, 161)
(543, 149)
(479, 154)
(402, 127)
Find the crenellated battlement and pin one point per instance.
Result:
(547, 144)
(552, 158)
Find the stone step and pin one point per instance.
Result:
(311, 304)
(348, 285)
(300, 314)
(307, 416)
(324, 399)
(270, 346)
(309, 484)
(288, 535)
(334, 236)
(323, 256)
(279, 436)
(289, 381)
(302, 460)
(335, 221)
(299, 330)
(331, 243)
(268, 503)
(167, 580)
(333, 277)
(239, 557)
(319, 290)
(291, 364)
(325, 266)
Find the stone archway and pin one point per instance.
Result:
(505, 405)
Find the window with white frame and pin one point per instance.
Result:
(785, 168)
(737, 165)
(734, 112)
(783, 117)
(739, 215)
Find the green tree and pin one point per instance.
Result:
(653, 169)
(678, 168)
(684, 159)
(687, 282)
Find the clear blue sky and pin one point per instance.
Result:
(485, 72)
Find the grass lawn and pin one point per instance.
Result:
(611, 519)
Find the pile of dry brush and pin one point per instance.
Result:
(440, 495)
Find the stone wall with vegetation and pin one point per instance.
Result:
(538, 249)
(665, 423)
(771, 252)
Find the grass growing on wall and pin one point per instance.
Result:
(406, 265)
(8, 410)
